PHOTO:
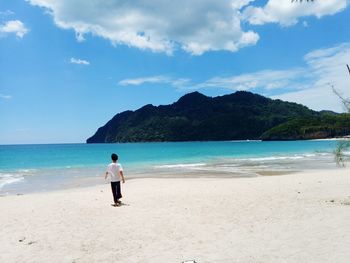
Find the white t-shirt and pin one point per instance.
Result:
(113, 170)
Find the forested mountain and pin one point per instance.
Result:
(196, 117)
(315, 127)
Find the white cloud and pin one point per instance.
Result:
(287, 13)
(327, 67)
(310, 85)
(195, 26)
(79, 61)
(6, 97)
(154, 80)
(266, 79)
(140, 81)
(13, 27)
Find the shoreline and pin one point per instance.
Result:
(301, 217)
(94, 181)
(43, 182)
(163, 177)
(91, 182)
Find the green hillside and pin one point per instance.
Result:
(238, 116)
(315, 127)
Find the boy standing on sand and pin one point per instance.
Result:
(115, 170)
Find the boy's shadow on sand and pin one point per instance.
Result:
(120, 205)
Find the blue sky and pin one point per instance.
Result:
(68, 66)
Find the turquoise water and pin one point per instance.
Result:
(44, 167)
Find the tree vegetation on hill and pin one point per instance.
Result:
(238, 116)
(324, 125)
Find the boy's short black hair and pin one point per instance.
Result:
(114, 157)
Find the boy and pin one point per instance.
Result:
(115, 170)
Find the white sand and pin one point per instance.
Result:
(267, 219)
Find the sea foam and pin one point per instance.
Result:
(7, 178)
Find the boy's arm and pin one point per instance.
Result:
(106, 174)
(122, 176)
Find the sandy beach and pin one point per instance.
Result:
(301, 217)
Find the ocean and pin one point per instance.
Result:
(33, 168)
